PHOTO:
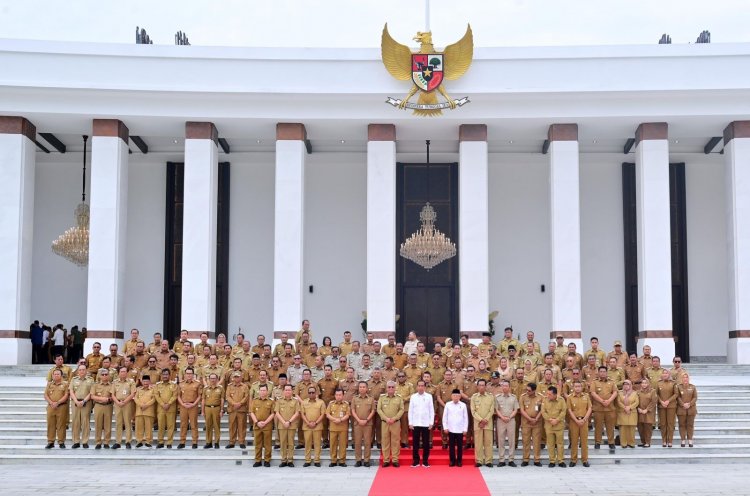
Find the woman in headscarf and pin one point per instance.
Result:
(529, 373)
(687, 396)
(627, 414)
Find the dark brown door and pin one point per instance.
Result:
(427, 301)
(173, 250)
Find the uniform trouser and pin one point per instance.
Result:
(666, 424)
(609, 419)
(505, 430)
(237, 427)
(518, 428)
(421, 439)
(645, 431)
(82, 423)
(300, 434)
(687, 424)
(532, 434)
(578, 433)
(189, 418)
(286, 440)
(213, 427)
(262, 442)
(124, 422)
(144, 429)
(325, 436)
(312, 442)
(338, 446)
(555, 442)
(376, 434)
(483, 444)
(627, 435)
(362, 435)
(404, 427)
(470, 433)
(57, 422)
(103, 423)
(391, 440)
(166, 420)
(455, 444)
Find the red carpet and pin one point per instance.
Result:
(438, 479)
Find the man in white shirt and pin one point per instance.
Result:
(421, 420)
(456, 422)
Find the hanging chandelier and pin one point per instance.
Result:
(73, 244)
(428, 246)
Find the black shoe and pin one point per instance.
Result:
(266, 464)
(511, 464)
(524, 464)
(343, 465)
(257, 464)
(216, 445)
(160, 446)
(459, 464)
(290, 464)
(452, 464)
(404, 445)
(415, 465)
(396, 465)
(551, 465)
(641, 445)
(275, 446)
(85, 446)
(207, 446)
(147, 445)
(596, 446)
(561, 464)
(501, 464)
(386, 464)
(358, 464)
(537, 464)
(543, 445)
(76, 446)
(195, 446)
(116, 446)
(169, 446)
(366, 464)
(332, 464)
(617, 439)
(586, 464)
(426, 465)
(139, 445)
(105, 446)
(306, 464)
(299, 446)
(488, 465)
(282, 464)
(242, 446)
(572, 464)
(50, 446)
(477, 465)
(229, 446)
(98, 446)
(316, 464)
(127, 446)
(61, 445)
(379, 446)
(611, 447)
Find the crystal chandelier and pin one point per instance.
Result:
(73, 244)
(428, 246)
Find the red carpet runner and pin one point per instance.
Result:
(439, 479)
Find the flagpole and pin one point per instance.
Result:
(427, 16)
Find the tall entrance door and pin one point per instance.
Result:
(427, 301)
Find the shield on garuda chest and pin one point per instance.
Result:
(427, 70)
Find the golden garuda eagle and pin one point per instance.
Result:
(427, 68)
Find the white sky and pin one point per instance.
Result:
(357, 23)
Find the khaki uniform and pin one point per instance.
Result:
(345, 348)
(627, 420)
(622, 358)
(261, 410)
(57, 418)
(600, 355)
(287, 410)
(165, 394)
(579, 404)
(67, 373)
(482, 410)
(102, 413)
(213, 403)
(93, 362)
(667, 391)
(686, 416)
(604, 416)
(130, 345)
(400, 360)
(145, 411)
(654, 375)
(311, 411)
(237, 415)
(616, 375)
(634, 373)
(338, 431)
(327, 389)
(190, 393)
(123, 414)
(362, 434)
(502, 346)
(375, 389)
(413, 373)
(554, 410)
(646, 401)
(531, 431)
(404, 390)
(506, 405)
(391, 407)
(81, 414)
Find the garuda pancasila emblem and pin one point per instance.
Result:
(427, 69)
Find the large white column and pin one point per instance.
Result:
(654, 243)
(107, 233)
(381, 229)
(737, 164)
(199, 229)
(17, 165)
(289, 214)
(473, 230)
(565, 233)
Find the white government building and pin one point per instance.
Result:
(591, 191)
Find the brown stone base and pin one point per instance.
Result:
(565, 334)
(739, 334)
(14, 334)
(663, 334)
(99, 334)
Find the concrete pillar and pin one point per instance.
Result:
(107, 233)
(199, 229)
(565, 236)
(289, 214)
(473, 231)
(737, 167)
(654, 242)
(17, 167)
(381, 229)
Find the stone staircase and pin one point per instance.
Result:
(722, 428)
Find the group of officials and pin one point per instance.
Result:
(299, 394)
